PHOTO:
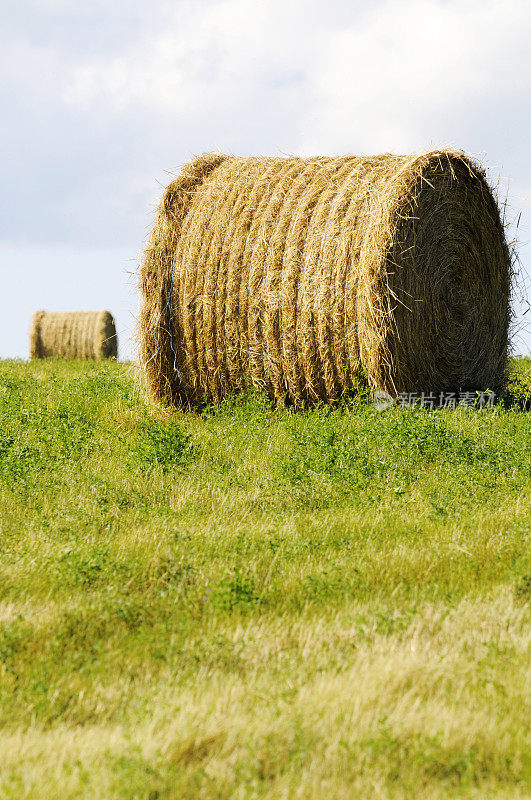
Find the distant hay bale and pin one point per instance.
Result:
(76, 334)
(295, 274)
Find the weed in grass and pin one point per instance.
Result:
(236, 591)
(159, 444)
(522, 589)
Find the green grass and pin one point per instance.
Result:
(252, 603)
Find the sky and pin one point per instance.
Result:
(104, 101)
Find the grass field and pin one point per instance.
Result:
(254, 603)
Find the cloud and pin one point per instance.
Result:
(209, 57)
(419, 71)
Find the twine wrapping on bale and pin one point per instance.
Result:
(293, 275)
(76, 334)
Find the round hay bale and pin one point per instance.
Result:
(76, 334)
(296, 275)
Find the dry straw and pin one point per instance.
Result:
(77, 334)
(293, 275)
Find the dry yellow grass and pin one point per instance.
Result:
(412, 703)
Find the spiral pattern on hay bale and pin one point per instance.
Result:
(75, 334)
(293, 275)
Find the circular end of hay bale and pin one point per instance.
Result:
(35, 335)
(106, 340)
(435, 281)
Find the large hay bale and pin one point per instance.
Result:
(292, 274)
(75, 334)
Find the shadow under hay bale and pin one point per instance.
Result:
(294, 275)
(76, 334)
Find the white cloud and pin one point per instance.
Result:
(415, 70)
(206, 54)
